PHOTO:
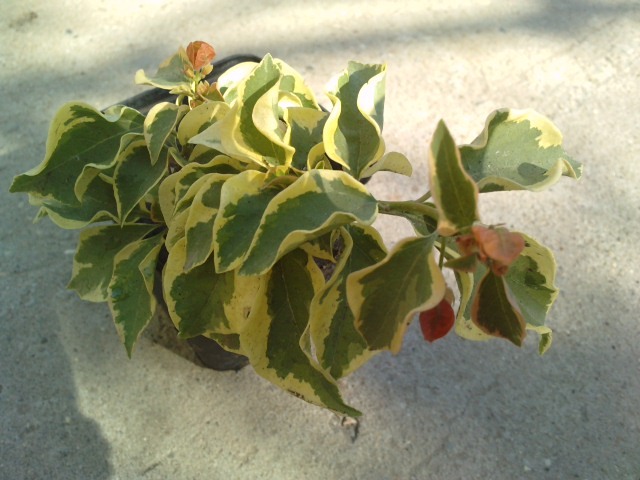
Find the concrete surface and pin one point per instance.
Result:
(72, 406)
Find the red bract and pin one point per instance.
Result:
(437, 322)
(200, 54)
(499, 243)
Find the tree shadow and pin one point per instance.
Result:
(44, 434)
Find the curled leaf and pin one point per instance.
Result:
(200, 54)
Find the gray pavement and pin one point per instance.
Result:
(72, 406)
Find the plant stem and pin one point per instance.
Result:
(425, 197)
(398, 208)
(443, 248)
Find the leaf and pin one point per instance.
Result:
(306, 126)
(203, 302)
(352, 132)
(130, 292)
(436, 322)
(198, 120)
(275, 328)
(252, 130)
(339, 346)
(391, 162)
(135, 175)
(200, 54)
(158, 125)
(531, 280)
(94, 258)
(385, 296)
(243, 200)
(199, 224)
(98, 204)
(454, 192)
(518, 150)
(317, 202)
(171, 74)
(294, 92)
(496, 312)
(230, 79)
(467, 286)
(173, 188)
(80, 137)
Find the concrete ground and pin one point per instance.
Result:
(72, 406)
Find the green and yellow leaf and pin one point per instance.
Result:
(339, 346)
(203, 302)
(294, 92)
(80, 137)
(158, 126)
(306, 126)
(130, 292)
(135, 175)
(252, 130)
(202, 214)
(94, 258)
(243, 200)
(496, 312)
(229, 80)
(518, 150)
(394, 162)
(317, 202)
(352, 132)
(98, 204)
(198, 120)
(171, 75)
(454, 192)
(384, 297)
(275, 330)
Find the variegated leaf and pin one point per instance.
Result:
(130, 292)
(384, 297)
(352, 131)
(317, 202)
(518, 150)
(98, 204)
(80, 137)
(276, 327)
(306, 132)
(203, 302)
(339, 346)
(454, 192)
(243, 200)
(496, 312)
(230, 79)
(94, 258)
(158, 126)
(252, 130)
(467, 286)
(531, 282)
(135, 175)
(171, 74)
(293, 86)
(199, 119)
(391, 162)
(174, 187)
(199, 224)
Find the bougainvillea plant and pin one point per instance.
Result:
(249, 197)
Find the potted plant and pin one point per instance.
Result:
(249, 198)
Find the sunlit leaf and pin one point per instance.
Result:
(454, 192)
(518, 150)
